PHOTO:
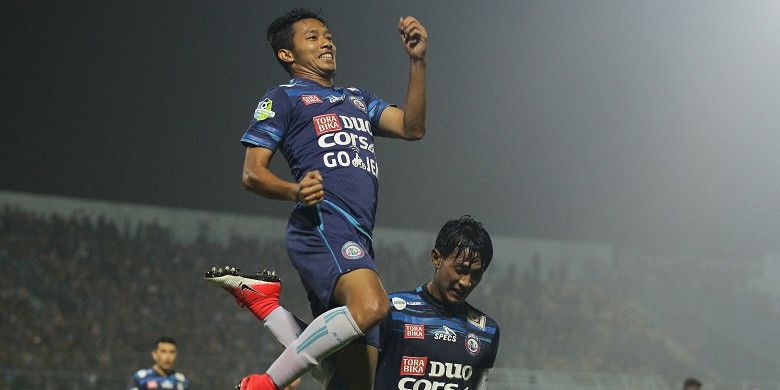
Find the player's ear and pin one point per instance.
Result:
(436, 258)
(286, 55)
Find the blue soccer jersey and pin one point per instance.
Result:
(149, 379)
(330, 129)
(425, 345)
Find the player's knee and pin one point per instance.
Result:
(370, 313)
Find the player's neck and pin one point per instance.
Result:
(325, 81)
(161, 371)
(440, 301)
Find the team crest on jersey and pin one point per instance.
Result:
(472, 344)
(352, 250)
(326, 123)
(264, 110)
(414, 365)
(151, 385)
(358, 102)
(399, 303)
(310, 99)
(414, 331)
(477, 319)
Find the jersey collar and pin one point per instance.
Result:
(308, 83)
(450, 309)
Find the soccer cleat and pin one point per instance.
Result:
(257, 382)
(259, 293)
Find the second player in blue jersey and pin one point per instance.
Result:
(433, 338)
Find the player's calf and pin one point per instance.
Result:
(259, 293)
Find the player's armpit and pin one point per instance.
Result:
(391, 125)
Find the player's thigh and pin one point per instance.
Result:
(363, 294)
(356, 364)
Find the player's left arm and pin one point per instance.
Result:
(482, 379)
(482, 374)
(409, 123)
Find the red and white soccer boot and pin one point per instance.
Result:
(259, 293)
(257, 382)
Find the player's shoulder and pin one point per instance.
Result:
(280, 90)
(358, 91)
(180, 377)
(403, 294)
(291, 88)
(143, 373)
(478, 319)
(399, 300)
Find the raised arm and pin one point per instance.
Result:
(260, 180)
(409, 123)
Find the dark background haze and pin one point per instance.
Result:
(633, 122)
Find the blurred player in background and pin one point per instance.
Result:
(326, 134)
(692, 384)
(432, 338)
(161, 375)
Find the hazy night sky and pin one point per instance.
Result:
(629, 122)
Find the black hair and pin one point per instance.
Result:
(164, 339)
(691, 382)
(465, 234)
(280, 32)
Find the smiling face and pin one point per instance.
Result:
(456, 276)
(313, 55)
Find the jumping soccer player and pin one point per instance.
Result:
(433, 338)
(326, 134)
(161, 375)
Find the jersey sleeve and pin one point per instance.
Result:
(492, 359)
(375, 106)
(135, 383)
(270, 121)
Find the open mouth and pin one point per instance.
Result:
(459, 295)
(326, 56)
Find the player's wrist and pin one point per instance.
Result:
(417, 61)
(296, 193)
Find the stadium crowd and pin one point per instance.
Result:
(82, 294)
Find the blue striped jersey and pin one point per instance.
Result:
(427, 345)
(149, 379)
(330, 129)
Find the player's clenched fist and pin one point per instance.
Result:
(414, 37)
(310, 189)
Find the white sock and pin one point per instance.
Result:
(283, 326)
(326, 334)
(286, 327)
